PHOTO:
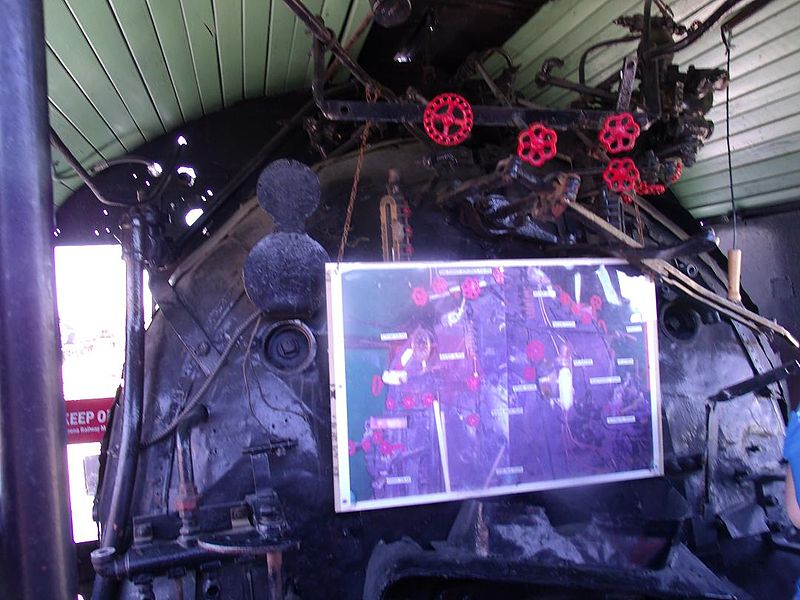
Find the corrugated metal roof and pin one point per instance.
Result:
(122, 72)
(765, 82)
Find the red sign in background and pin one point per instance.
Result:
(87, 419)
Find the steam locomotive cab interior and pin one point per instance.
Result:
(423, 299)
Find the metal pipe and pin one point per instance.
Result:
(188, 498)
(38, 560)
(116, 525)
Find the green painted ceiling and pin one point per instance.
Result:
(121, 72)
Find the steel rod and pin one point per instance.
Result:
(38, 559)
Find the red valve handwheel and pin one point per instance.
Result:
(366, 445)
(535, 350)
(427, 400)
(650, 189)
(596, 302)
(619, 133)
(473, 382)
(471, 288)
(448, 119)
(472, 420)
(377, 385)
(676, 175)
(537, 144)
(408, 402)
(621, 175)
(419, 296)
(529, 373)
(439, 285)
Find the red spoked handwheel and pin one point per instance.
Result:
(650, 189)
(471, 288)
(621, 175)
(419, 296)
(537, 144)
(619, 133)
(676, 169)
(448, 119)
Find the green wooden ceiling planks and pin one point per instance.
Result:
(301, 50)
(79, 145)
(255, 25)
(596, 27)
(281, 28)
(71, 49)
(765, 69)
(538, 32)
(359, 9)
(122, 71)
(334, 12)
(68, 98)
(99, 26)
(774, 166)
(230, 48)
(172, 43)
(199, 20)
(134, 21)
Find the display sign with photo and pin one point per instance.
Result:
(467, 379)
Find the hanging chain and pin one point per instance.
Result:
(372, 96)
(639, 225)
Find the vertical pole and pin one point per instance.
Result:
(38, 560)
(116, 527)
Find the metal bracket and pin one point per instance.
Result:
(626, 82)
(189, 331)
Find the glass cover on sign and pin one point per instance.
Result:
(458, 380)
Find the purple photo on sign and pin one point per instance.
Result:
(459, 380)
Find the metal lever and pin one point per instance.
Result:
(757, 382)
(697, 244)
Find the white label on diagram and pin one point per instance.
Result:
(564, 324)
(510, 470)
(469, 271)
(634, 329)
(582, 362)
(398, 480)
(621, 420)
(625, 362)
(524, 387)
(452, 356)
(602, 380)
(394, 337)
(548, 293)
(500, 412)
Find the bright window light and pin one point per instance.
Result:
(193, 215)
(90, 286)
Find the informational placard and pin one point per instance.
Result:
(87, 419)
(480, 378)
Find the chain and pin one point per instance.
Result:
(639, 225)
(372, 96)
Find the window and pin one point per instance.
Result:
(90, 288)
